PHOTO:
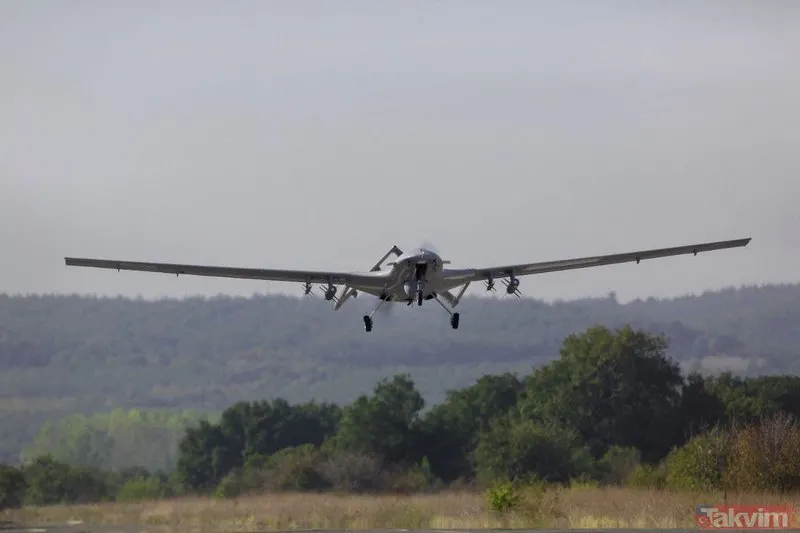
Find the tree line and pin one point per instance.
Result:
(115, 440)
(613, 408)
(62, 355)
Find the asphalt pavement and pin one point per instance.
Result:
(91, 528)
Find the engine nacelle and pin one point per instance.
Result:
(330, 293)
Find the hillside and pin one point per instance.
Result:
(64, 354)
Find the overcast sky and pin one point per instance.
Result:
(315, 135)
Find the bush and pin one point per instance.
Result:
(503, 497)
(759, 456)
(142, 488)
(647, 476)
(617, 464)
(306, 468)
(766, 456)
(294, 469)
(410, 479)
(701, 464)
(519, 450)
(352, 472)
(231, 486)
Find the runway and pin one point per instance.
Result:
(89, 528)
(147, 529)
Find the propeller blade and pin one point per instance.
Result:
(428, 245)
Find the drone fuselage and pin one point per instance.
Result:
(415, 271)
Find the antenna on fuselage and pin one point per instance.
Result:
(351, 292)
(394, 250)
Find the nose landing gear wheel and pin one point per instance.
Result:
(454, 321)
(419, 298)
(367, 323)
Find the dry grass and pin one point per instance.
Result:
(567, 508)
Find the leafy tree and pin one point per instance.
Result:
(50, 482)
(615, 387)
(518, 450)
(12, 487)
(47, 481)
(114, 440)
(700, 409)
(209, 452)
(204, 457)
(452, 428)
(749, 399)
(739, 401)
(617, 465)
(386, 424)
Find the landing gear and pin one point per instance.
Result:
(368, 318)
(454, 321)
(453, 316)
(419, 275)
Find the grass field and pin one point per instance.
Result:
(568, 508)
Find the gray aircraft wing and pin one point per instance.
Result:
(300, 276)
(478, 274)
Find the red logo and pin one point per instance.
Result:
(744, 516)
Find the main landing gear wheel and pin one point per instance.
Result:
(367, 323)
(454, 321)
(419, 298)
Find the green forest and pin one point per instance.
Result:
(66, 357)
(611, 409)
